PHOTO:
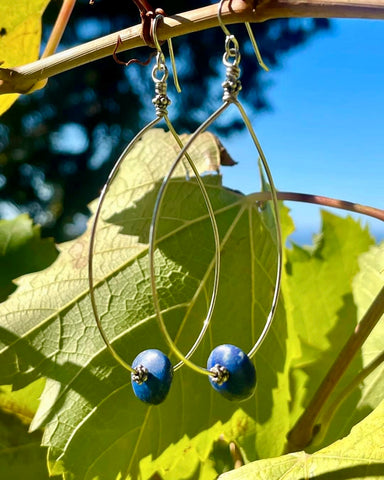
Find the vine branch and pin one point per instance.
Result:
(324, 201)
(328, 414)
(23, 78)
(304, 430)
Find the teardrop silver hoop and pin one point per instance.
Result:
(161, 102)
(231, 89)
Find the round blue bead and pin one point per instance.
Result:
(159, 376)
(241, 381)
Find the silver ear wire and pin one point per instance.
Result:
(174, 68)
(161, 102)
(170, 49)
(227, 33)
(255, 47)
(250, 34)
(231, 86)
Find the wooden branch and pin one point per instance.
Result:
(333, 203)
(323, 201)
(22, 79)
(303, 431)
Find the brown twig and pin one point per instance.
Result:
(132, 60)
(332, 202)
(303, 431)
(323, 201)
(54, 38)
(21, 79)
(329, 412)
(59, 27)
(237, 457)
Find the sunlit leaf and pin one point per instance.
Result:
(94, 426)
(320, 303)
(88, 405)
(367, 395)
(366, 286)
(358, 456)
(20, 36)
(22, 403)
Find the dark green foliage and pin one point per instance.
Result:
(21, 251)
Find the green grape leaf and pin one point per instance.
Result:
(358, 456)
(21, 455)
(94, 426)
(367, 395)
(21, 251)
(22, 403)
(366, 285)
(321, 307)
(20, 36)
(370, 392)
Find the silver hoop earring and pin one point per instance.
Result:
(151, 371)
(230, 371)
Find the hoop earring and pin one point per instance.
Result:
(151, 371)
(229, 369)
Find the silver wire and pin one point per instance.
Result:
(170, 49)
(184, 359)
(231, 96)
(221, 23)
(103, 194)
(174, 68)
(161, 59)
(255, 47)
(250, 34)
(276, 293)
(232, 86)
(161, 102)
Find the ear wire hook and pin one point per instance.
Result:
(170, 49)
(255, 47)
(174, 68)
(250, 34)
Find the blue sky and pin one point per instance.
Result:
(325, 132)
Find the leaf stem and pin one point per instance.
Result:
(329, 412)
(237, 457)
(59, 27)
(55, 37)
(324, 201)
(334, 203)
(21, 79)
(303, 431)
